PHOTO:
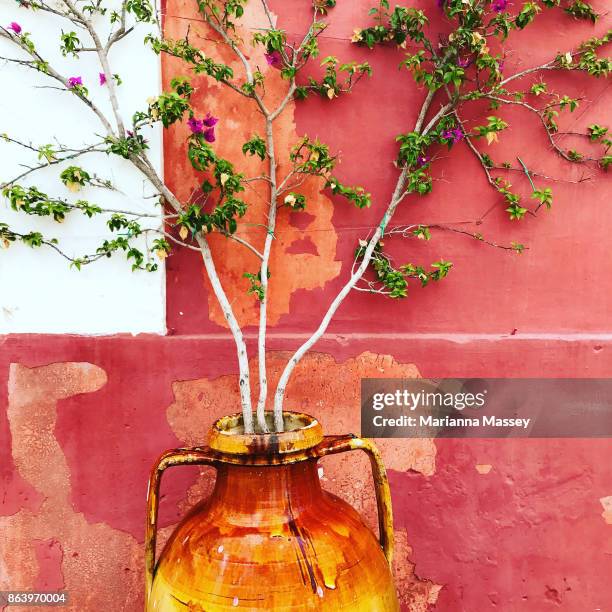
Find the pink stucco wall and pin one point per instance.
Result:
(82, 419)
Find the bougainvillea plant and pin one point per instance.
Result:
(454, 68)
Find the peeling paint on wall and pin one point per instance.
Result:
(54, 546)
(536, 520)
(306, 268)
(606, 502)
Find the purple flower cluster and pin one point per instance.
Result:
(422, 160)
(454, 134)
(463, 62)
(274, 59)
(205, 126)
(15, 27)
(499, 6)
(102, 78)
(74, 81)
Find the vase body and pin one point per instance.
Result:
(270, 538)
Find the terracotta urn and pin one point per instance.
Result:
(269, 537)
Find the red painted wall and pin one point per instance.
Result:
(82, 419)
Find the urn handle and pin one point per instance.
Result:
(179, 456)
(332, 445)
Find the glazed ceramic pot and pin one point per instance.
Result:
(269, 537)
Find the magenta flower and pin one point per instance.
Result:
(195, 125)
(500, 5)
(422, 160)
(463, 62)
(204, 126)
(209, 120)
(15, 27)
(74, 81)
(274, 59)
(500, 65)
(102, 78)
(454, 135)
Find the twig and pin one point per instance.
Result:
(102, 52)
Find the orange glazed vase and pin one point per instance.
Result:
(269, 537)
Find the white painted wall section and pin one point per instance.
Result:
(39, 292)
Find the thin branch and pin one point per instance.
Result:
(284, 102)
(548, 66)
(86, 259)
(102, 52)
(247, 67)
(91, 149)
(245, 243)
(121, 31)
(404, 231)
(51, 72)
(256, 178)
(549, 134)
(268, 13)
(476, 152)
(43, 6)
(172, 238)
(582, 179)
(551, 65)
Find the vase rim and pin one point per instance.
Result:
(301, 433)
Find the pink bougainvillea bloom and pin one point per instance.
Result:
(274, 59)
(464, 62)
(195, 125)
(15, 27)
(422, 160)
(74, 81)
(102, 78)
(454, 135)
(500, 5)
(209, 134)
(209, 120)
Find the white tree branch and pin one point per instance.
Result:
(356, 275)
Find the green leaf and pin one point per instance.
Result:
(255, 146)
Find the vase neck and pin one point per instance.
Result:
(270, 490)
